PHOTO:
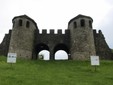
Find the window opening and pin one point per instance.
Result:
(27, 24)
(75, 25)
(20, 22)
(90, 24)
(82, 22)
(13, 24)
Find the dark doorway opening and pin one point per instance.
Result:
(61, 52)
(42, 51)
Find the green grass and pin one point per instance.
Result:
(29, 72)
(112, 50)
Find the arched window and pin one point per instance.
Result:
(20, 22)
(27, 24)
(82, 22)
(13, 24)
(90, 24)
(75, 25)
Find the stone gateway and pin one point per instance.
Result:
(80, 40)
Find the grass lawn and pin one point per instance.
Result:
(30, 72)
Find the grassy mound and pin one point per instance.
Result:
(30, 72)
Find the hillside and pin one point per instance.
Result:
(29, 72)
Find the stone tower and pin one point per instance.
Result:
(22, 37)
(82, 40)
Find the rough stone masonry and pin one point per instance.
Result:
(80, 40)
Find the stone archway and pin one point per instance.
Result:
(61, 55)
(62, 47)
(44, 55)
(39, 48)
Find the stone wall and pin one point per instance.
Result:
(102, 49)
(52, 42)
(4, 46)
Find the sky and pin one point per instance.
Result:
(55, 14)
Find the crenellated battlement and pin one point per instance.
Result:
(44, 31)
(98, 33)
(52, 31)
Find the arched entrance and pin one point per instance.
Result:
(42, 50)
(61, 52)
(61, 55)
(44, 55)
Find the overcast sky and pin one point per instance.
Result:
(55, 14)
